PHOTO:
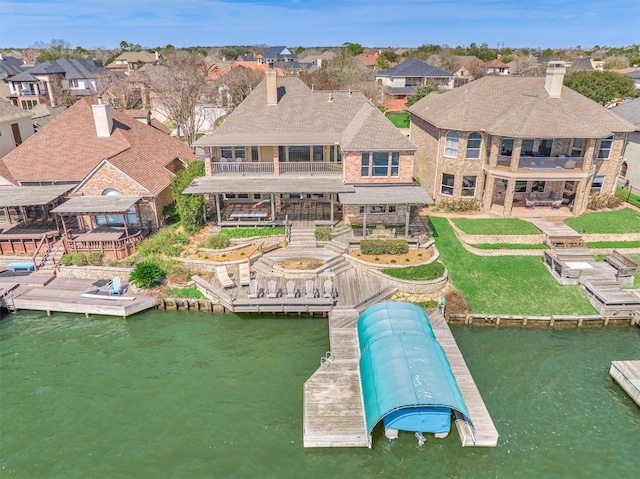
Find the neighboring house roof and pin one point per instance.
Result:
(6, 174)
(413, 68)
(24, 76)
(630, 111)
(581, 64)
(70, 67)
(135, 57)
(68, 149)
(496, 64)
(158, 125)
(277, 53)
(9, 113)
(306, 117)
(324, 56)
(369, 57)
(9, 66)
(43, 113)
(518, 107)
(253, 66)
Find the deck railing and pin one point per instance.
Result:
(241, 168)
(311, 167)
(299, 167)
(542, 163)
(122, 247)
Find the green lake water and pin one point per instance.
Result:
(195, 395)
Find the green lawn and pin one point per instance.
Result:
(249, 232)
(505, 284)
(509, 246)
(614, 222)
(506, 226)
(629, 197)
(400, 119)
(614, 244)
(423, 272)
(191, 293)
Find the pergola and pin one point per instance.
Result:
(21, 197)
(386, 195)
(271, 185)
(98, 205)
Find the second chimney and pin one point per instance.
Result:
(102, 118)
(272, 87)
(555, 77)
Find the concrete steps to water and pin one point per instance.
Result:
(379, 296)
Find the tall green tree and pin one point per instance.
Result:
(354, 48)
(602, 87)
(421, 92)
(190, 208)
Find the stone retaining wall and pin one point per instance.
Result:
(93, 272)
(486, 239)
(403, 285)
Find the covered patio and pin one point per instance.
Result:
(102, 223)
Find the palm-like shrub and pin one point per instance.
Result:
(145, 274)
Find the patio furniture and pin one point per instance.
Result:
(292, 291)
(224, 278)
(310, 290)
(115, 286)
(272, 289)
(556, 204)
(244, 273)
(254, 289)
(17, 266)
(328, 289)
(529, 203)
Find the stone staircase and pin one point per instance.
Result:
(302, 238)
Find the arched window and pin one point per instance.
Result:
(117, 220)
(451, 144)
(474, 144)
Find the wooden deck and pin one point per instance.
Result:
(333, 405)
(557, 234)
(485, 433)
(627, 375)
(610, 300)
(66, 295)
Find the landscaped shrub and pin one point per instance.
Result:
(164, 241)
(459, 205)
(323, 233)
(145, 274)
(65, 260)
(218, 241)
(455, 303)
(602, 202)
(251, 232)
(78, 259)
(95, 258)
(378, 246)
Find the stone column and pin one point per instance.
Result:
(582, 196)
(515, 154)
(487, 194)
(508, 196)
(208, 171)
(278, 202)
(276, 162)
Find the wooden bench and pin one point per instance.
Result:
(624, 265)
(26, 266)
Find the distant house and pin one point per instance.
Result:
(47, 82)
(15, 127)
(469, 66)
(118, 170)
(277, 54)
(368, 57)
(404, 79)
(128, 62)
(506, 141)
(496, 67)
(630, 168)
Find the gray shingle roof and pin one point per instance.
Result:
(10, 66)
(518, 107)
(413, 68)
(278, 52)
(629, 110)
(305, 117)
(24, 76)
(71, 68)
(8, 112)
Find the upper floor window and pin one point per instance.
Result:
(73, 83)
(506, 146)
(526, 149)
(545, 147)
(577, 148)
(380, 163)
(366, 164)
(474, 142)
(451, 144)
(605, 148)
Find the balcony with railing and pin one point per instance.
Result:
(267, 168)
(542, 163)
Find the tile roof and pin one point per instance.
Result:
(413, 68)
(9, 112)
(68, 149)
(518, 107)
(307, 117)
(5, 173)
(252, 65)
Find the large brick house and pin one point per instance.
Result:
(312, 154)
(512, 142)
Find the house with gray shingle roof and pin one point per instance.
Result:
(128, 62)
(15, 127)
(630, 168)
(513, 142)
(298, 150)
(403, 80)
(47, 82)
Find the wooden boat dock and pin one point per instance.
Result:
(627, 375)
(333, 403)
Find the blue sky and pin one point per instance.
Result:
(372, 23)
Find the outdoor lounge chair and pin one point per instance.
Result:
(328, 289)
(245, 274)
(529, 203)
(115, 286)
(254, 290)
(310, 290)
(223, 277)
(292, 291)
(272, 289)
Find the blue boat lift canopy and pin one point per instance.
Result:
(406, 378)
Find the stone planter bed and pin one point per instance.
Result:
(428, 256)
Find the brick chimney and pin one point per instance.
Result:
(555, 77)
(272, 86)
(102, 119)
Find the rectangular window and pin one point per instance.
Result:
(447, 184)
(380, 163)
(395, 163)
(545, 147)
(226, 152)
(391, 209)
(577, 148)
(364, 169)
(255, 155)
(469, 186)
(474, 142)
(282, 153)
(506, 146)
(596, 184)
(539, 186)
(257, 196)
(318, 153)
(243, 196)
(362, 209)
(569, 185)
(239, 152)
(605, 148)
(521, 187)
(73, 83)
(339, 157)
(300, 153)
(527, 147)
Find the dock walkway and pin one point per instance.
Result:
(627, 375)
